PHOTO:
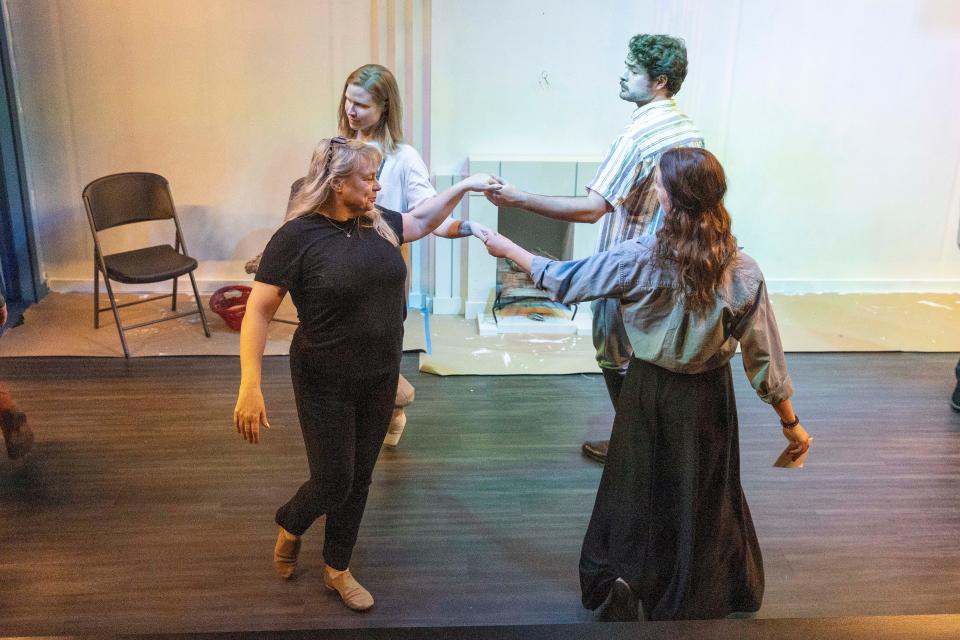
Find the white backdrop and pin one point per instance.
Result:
(836, 120)
(225, 98)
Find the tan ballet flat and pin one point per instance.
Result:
(351, 592)
(397, 423)
(285, 553)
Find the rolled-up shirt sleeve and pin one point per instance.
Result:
(599, 276)
(763, 358)
(619, 170)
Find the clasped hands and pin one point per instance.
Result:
(501, 193)
(497, 245)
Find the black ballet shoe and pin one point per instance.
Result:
(623, 605)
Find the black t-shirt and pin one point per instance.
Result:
(348, 291)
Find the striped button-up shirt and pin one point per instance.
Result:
(653, 128)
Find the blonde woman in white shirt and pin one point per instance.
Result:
(371, 110)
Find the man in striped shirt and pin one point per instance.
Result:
(621, 194)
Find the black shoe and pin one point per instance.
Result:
(623, 604)
(596, 450)
(955, 398)
(16, 433)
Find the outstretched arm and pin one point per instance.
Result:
(589, 208)
(451, 228)
(250, 411)
(500, 246)
(427, 216)
(570, 280)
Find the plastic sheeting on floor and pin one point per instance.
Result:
(458, 349)
(62, 325)
(924, 322)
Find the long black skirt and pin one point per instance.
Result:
(670, 516)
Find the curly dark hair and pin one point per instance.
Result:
(660, 55)
(696, 235)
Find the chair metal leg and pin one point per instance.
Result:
(173, 305)
(116, 317)
(196, 297)
(96, 296)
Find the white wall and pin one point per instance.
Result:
(223, 97)
(836, 120)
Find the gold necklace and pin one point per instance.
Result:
(336, 226)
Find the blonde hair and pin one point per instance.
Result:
(382, 87)
(336, 158)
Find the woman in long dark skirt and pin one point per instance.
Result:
(670, 528)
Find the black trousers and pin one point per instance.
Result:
(344, 421)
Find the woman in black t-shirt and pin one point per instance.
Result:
(338, 257)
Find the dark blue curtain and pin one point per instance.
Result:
(20, 275)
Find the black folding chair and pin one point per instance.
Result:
(126, 198)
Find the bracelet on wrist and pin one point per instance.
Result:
(791, 425)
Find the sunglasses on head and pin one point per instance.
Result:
(334, 141)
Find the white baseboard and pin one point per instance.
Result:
(448, 306)
(862, 286)
(470, 309)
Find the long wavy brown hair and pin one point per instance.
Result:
(695, 236)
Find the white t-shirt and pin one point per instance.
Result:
(404, 180)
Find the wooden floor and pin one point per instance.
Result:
(141, 511)
(856, 628)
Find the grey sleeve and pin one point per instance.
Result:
(599, 276)
(763, 358)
